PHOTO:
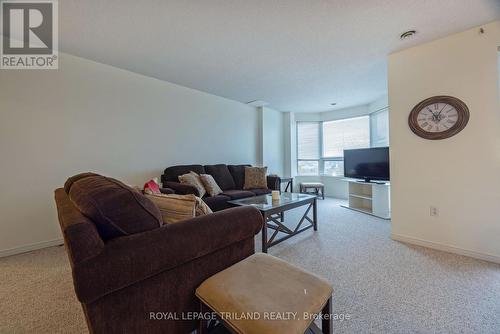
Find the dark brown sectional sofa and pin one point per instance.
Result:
(230, 179)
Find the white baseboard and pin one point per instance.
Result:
(446, 248)
(31, 247)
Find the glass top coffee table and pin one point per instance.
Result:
(273, 212)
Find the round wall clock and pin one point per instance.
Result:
(438, 117)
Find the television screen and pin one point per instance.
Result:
(367, 163)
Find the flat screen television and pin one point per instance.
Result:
(367, 164)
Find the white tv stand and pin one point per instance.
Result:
(372, 198)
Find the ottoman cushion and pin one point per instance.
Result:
(263, 284)
(312, 184)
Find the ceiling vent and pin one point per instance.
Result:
(257, 103)
(407, 34)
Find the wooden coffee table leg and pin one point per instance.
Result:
(264, 234)
(326, 322)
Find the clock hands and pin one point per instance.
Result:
(442, 110)
(436, 117)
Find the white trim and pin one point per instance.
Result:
(446, 248)
(31, 247)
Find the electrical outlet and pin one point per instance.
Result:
(434, 211)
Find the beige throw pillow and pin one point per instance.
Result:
(211, 186)
(255, 178)
(201, 208)
(194, 180)
(175, 208)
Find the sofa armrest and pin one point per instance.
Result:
(273, 182)
(128, 260)
(181, 188)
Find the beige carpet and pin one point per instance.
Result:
(36, 294)
(384, 286)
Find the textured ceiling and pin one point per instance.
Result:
(298, 55)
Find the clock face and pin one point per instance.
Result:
(438, 117)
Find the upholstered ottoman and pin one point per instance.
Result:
(317, 187)
(265, 295)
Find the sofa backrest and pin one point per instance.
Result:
(221, 175)
(238, 173)
(172, 173)
(228, 177)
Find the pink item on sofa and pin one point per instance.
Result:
(152, 186)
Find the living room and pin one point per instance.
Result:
(254, 97)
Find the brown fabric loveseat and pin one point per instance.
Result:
(124, 281)
(230, 179)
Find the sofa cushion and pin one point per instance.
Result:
(221, 175)
(238, 174)
(217, 203)
(69, 182)
(115, 208)
(237, 194)
(261, 191)
(255, 178)
(173, 173)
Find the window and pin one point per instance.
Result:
(320, 145)
(308, 148)
(307, 167)
(334, 167)
(345, 134)
(339, 136)
(379, 124)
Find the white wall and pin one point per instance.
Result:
(92, 117)
(334, 186)
(273, 140)
(459, 175)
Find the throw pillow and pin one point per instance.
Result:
(255, 178)
(201, 208)
(211, 186)
(194, 180)
(175, 208)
